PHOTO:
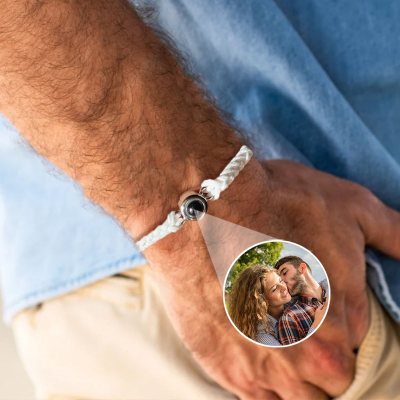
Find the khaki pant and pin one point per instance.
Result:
(113, 340)
(109, 340)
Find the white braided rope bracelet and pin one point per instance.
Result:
(194, 206)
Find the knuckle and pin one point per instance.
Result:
(330, 357)
(364, 196)
(362, 201)
(309, 202)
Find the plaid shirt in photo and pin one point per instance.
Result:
(298, 318)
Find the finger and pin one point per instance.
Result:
(304, 391)
(308, 391)
(261, 394)
(380, 225)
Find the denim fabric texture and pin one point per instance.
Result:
(315, 81)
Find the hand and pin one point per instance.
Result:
(145, 136)
(333, 218)
(320, 314)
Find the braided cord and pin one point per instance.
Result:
(172, 224)
(213, 189)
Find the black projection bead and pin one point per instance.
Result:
(192, 204)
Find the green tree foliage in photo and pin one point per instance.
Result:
(263, 254)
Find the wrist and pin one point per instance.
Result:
(184, 267)
(241, 203)
(180, 177)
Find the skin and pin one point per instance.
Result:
(300, 281)
(94, 90)
(276, 294)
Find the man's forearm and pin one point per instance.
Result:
(94, 89)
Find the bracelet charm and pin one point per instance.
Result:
(194, 207)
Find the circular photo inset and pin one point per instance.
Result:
(276, 293)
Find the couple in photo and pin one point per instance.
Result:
(278, 306)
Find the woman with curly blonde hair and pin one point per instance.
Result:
(257, 302)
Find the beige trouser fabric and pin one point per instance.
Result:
(109, 340)
(113, 340)
(377, 374)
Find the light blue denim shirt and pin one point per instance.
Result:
(314, 81)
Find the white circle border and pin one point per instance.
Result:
(226, 277)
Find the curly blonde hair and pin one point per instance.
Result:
(248, 307)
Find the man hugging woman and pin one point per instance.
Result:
(278, 306)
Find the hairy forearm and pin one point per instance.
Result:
(94, 89)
